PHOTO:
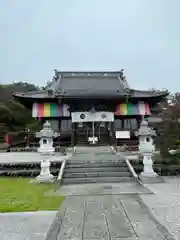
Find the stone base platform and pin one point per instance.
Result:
(29, 157)
(149, 180)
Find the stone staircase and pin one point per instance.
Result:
(96, 168)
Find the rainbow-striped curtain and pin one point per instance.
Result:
(125, 109)
(50, 110)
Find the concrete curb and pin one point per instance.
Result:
(55, 227)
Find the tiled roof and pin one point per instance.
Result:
(145, 94)
(82, 84)
(33, 94)
(90, 85)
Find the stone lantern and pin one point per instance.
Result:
(146, 148)
(46, 150)
(46, 139)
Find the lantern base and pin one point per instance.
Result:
(151, 178)
(45, 178)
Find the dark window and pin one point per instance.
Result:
(118, 124)
(66, 124)
(126, 124)
(134, 124)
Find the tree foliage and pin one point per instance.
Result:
(169, 128)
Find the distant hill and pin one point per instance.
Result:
(13, 115)
(7, 90)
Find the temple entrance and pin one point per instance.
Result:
(92, 133)
(98, 133)
(92, 128)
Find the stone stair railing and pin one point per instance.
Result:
(60, 175)
(130, 167)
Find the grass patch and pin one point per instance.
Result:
(18, 195)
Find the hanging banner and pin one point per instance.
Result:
(50, 110)
(92, 117)
(127, 109)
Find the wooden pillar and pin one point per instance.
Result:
(73, 135)
(59, 125)
(27, 140)
(107, 131)
(139, 119)
(123, 125)
(113, 133)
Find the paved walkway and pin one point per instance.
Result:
(106, 217)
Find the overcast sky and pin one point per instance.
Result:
(141, 36)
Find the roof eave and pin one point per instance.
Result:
(140, 93)
(115, 95)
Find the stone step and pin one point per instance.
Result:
(94, 161)
(94, 169)
(95, 165)
(24, 171)
(88, 145)
(96, 175)
(96, 180)
(93, 149)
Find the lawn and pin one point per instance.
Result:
(18, 195)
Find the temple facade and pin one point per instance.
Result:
(92, 107)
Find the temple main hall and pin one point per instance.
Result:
(95, 108)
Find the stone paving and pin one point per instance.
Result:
(25, 226)
(105, 217)
(101, 188)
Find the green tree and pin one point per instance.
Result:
(169, 128)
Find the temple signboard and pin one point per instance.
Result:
(92, 117)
